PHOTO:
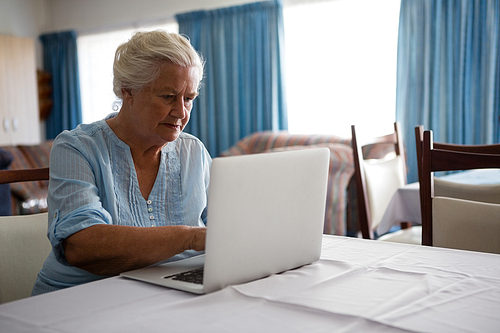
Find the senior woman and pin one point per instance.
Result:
(130, 190)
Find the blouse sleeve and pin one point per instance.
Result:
(74, 201)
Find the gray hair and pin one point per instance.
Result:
(138, 61)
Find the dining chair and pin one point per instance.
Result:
(479, 149)
(377, 179)
(24, 245)
(458, 215)
(484, 193)
(23, 175)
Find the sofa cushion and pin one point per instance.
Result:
(5, 207)
(5, 159)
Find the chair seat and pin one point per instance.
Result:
(411, 235)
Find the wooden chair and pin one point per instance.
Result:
(459, 220)
(455, 190)
(479, 149)
(23, 175)
(23, 242)
(377, 180)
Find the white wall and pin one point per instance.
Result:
(22, 17)
(95, 15)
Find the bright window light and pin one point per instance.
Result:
(341, 65)
(340, 58)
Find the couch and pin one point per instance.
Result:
(27, 197)
(340, 171)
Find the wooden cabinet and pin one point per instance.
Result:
(19, 115)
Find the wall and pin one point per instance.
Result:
(22, 17)
(97, 15)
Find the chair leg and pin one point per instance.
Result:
(405, 225)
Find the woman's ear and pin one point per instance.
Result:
(127, 95)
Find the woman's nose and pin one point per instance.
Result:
(179, 108)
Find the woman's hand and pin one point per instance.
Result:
(198, 235)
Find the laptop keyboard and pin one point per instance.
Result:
(192, 276)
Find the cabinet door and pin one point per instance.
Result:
(20, 120)
(4, 113)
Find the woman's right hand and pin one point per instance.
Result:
(197, 239)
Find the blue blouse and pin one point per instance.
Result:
(93, 181)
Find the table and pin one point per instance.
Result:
(357, 286)
(405, 203)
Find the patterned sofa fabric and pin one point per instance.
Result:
(341, 166)
(263, 141)
(29, 197)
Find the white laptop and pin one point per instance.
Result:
(265, 216)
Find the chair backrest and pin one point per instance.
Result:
(486, 193)
(450, 157)
(377, 180)
(479, 149)
(24, 245)
(23, 249)
(466, 225)
(23, 175)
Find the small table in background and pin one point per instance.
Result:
(405, 204)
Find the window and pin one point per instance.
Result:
(341, 60)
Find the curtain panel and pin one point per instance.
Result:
(61, 61)
(448, 72)
(243, 87)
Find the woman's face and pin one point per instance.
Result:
(162, 108)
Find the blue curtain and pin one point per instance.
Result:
(61, 61)
(243, 89)
(448, 72)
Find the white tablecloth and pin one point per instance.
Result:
(357, 286)
(405, 204)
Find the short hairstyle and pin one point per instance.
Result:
(138, 61)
